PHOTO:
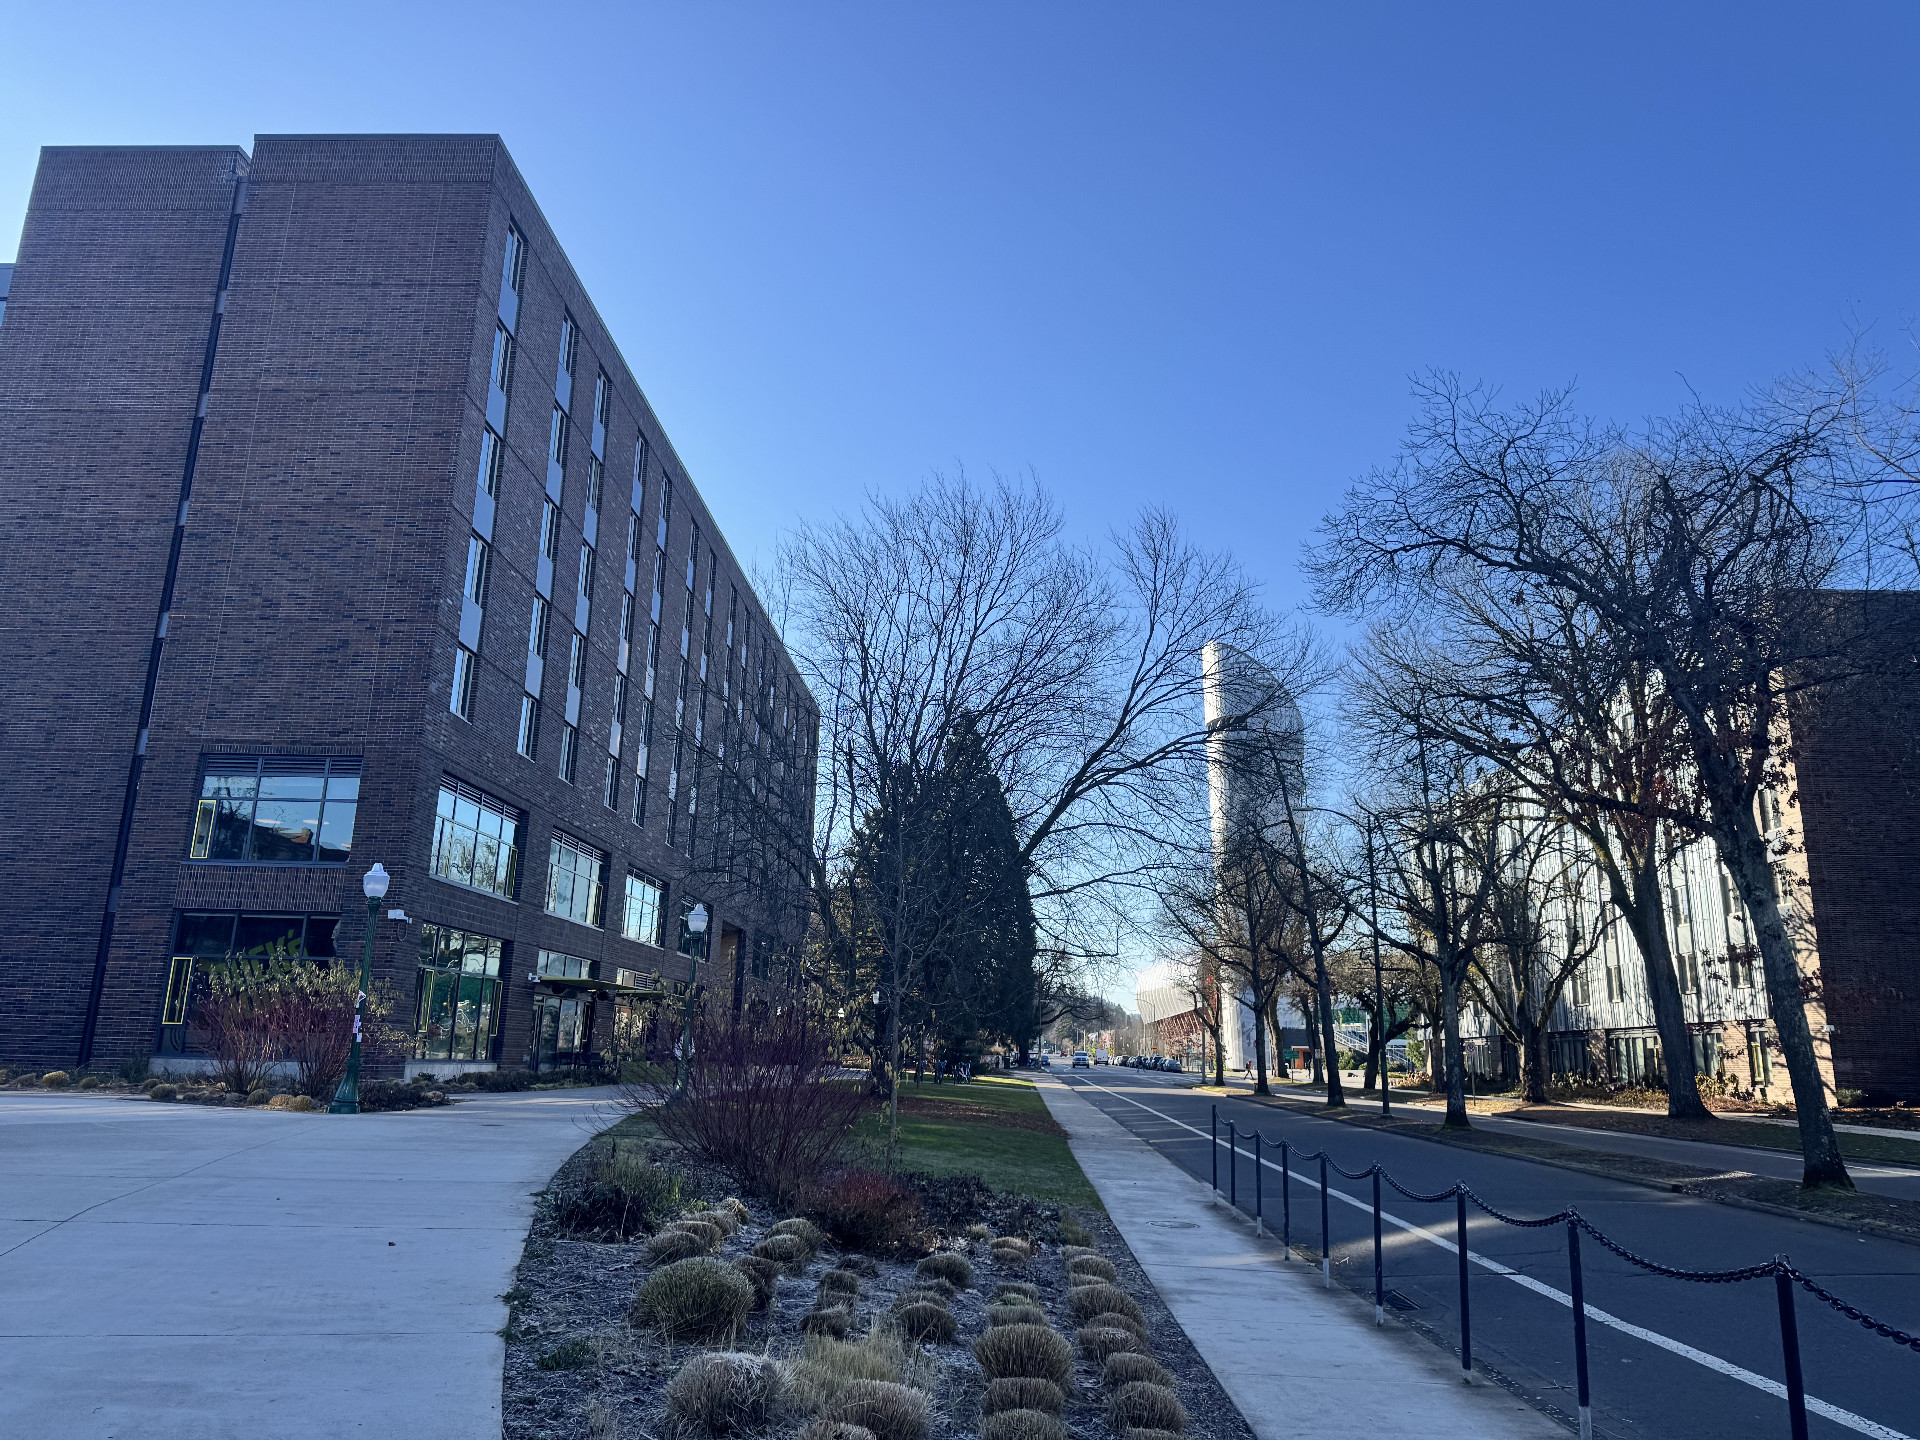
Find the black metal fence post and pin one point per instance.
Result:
(1579, 1329)
(1460, 1244)
(1213, 1124)
(1790, 1352)
(1233, 1165)
(1286, 1199)
(1259, 1164)
(1326, 1257)
(1379, 1275)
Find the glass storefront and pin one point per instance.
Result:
(457, 1013)
(205, 938)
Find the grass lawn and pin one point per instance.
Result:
(996, 1126)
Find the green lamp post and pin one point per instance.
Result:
(346, 1100)
(697, 928)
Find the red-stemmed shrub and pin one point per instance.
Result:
(864, 1210)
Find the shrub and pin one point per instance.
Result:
(923, 1322)
(56, 1080)
(1017, 1290)
(764, 1102)
(1140, 1405)
(1136, 1328)
(133, 1070)
(1023, 1392)
(952, 1268)
(301, 1103)
(979, 1232)
(828, 1364)
(727, 1222)
(1097, 1342)
(1032, 1351)
(672, 1246)
(579, 1353)
(1087, 1301)
(890, 1411)
(933, 1285)
(502, 1080)
(1014, 1243)
(1094, 1267)
(164, 1092)
(787, 1251)
(696, 1299)
(376, 1095)
(726, 1393)
(89, 1082)
(709, 1235)
(736, 1207)
(808, 1233)
(1072, 1232)
(832, 1320)
(1022, 1425)
(1015, 1315)
(1071, 1253)
(619, 1195)
(863, 1210)
(763, 1275)
(839, 1282)
(835, 1430)
(260, 1096)
(1126, 1366)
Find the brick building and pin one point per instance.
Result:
(341, 533)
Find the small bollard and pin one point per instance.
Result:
(1790, 1352)
(1579, 1329)
(1233, 1165)
(1286, 1200)
(1259, 1164)
(1379, 1275)
(1213, 1123)
(1460, 1244)
(1326, 1256)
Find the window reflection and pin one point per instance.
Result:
(276, 810)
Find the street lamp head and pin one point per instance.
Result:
(876, 997)
(375, 881)
(697, 920)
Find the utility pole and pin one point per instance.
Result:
(1379, 1000)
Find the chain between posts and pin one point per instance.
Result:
(1786, 1277)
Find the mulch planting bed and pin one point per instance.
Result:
(579, 1368)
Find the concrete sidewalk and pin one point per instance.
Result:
(1298, 1360)
(179, 1272)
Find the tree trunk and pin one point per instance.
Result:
(1646, 917)
(1336, 1093)
(1260, 1085)
(1533, 1062)
(1375, 1045)
(1745, 853)
(1456, 1066)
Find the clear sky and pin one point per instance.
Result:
(1175, 254)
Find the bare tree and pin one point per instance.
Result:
(1701, 544)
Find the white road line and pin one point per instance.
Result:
(1774, 1388)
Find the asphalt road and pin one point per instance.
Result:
(1671, 1358)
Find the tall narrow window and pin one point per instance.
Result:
(602, 401)
(537, 631)
(557, 438)
(502, 372)
(596, 478)
(576, 880)
(491, 457)
(586, 573)
(550, 531)
(569, 752)
(610, 791)
(460, 700)
(569, 343)
(529, 740)
(513, 272)
(645, 901)
(577, 662)
(477, 558)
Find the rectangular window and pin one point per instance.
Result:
(271, 810)
(586, 573)
(501, 374)
(666, 508)
(477, 558)
(569, 343)
(596, 477)
(550, 531)
(529, 741)
(513, 272)
(553, 965)
(569, 752)
(457, 998)
(460, 697)
(576, 880)
(577, 662)
(610, 789)
(476, 840)
(693, 565)
(640, 919)
(603, 400)
(537, 631)
(626, 633)
(619, 699)
(492, 456)
(1759, 1067)
(557, 438)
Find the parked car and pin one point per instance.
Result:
(1171, 1064)
(1082, 1061)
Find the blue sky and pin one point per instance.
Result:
(1177, 254)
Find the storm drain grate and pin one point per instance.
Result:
(1396, 1301)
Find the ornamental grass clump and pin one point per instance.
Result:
(954, 1269)
(763, 1275)
(1087, 1301)
(889, 1410)
(579, 1353)
(833, 1321)
(1030, 1351)
(787, 1251)
(1139, 1405)
(1015, 1315)
(1092, 1267)
(1071, 1253)
(808, 1233)
(1023, 1392)
(56, 1080)
(674, 1245)
(1022, 1425)
(835, 1430)
(737, 1207)
(1015, 1243)
(727, 1393)
(1017, 1290)
(1125, 1366)
(698, 1299)
(620, 1195)
(1135, 1328)
(926, 1322)
(978, 1231)
(723, 1220)
(164, 1092)
(931, 1285)
(1097, 1342)
(708, 1235)
(839, 1282)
